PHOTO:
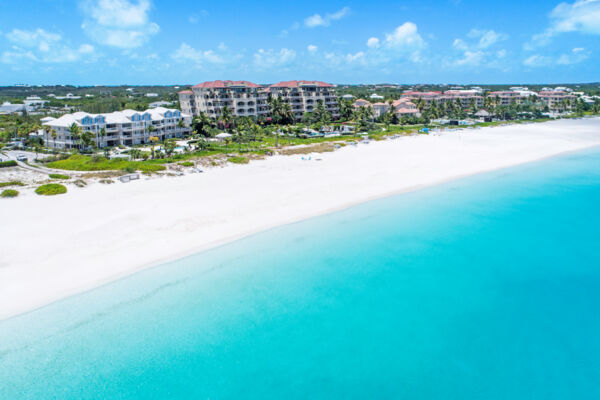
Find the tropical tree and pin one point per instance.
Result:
(75, 132)
(202, 124)
(102, 136)
(346, 109)
(87, 139)
(54, 136)
(226, 117)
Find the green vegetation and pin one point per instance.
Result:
(9, 163)
(11, 183)
(87, 163)
(187, 164)
(9, 193)
(238, 160)
(51, 189)
(59, 176)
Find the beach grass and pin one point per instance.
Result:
(11, 183)
(238, 160)
(88, 163)
(51, 189)
(7, 164)
(9, 193)
(59, 176)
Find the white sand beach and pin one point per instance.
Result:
(53, 247)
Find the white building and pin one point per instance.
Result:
(126, 127)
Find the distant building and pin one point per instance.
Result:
(126, 127)
(160, 104)
(151, 94)
(375, 96)
(9, 108)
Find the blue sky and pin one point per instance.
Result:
(87, 42)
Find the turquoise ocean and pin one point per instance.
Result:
(486, 287)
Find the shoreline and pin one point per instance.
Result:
(339, 175)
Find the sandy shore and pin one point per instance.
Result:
(53, 247)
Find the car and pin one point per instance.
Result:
(21, 158)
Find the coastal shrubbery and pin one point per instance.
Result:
(187, 164)
(238, 160)
(9, 193)
(9, 163)
(86, 163)
(51, 189)
(11, 183)
(59, 176)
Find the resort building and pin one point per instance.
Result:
(402, 107)
(126, 127)
(245, 98)
(303, 96)
(508, 97)
(556, 100)
(241, 97)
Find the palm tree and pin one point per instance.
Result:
(54, 136)
(75, 132)
(103, 135)
(226, 117)
(201, 124)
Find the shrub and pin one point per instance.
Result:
(187, 164)
(9, 163)
(59, 176)
(9, 193)
(238, 160)
(130, 169)
(51, 189)
(11, 183)
(80, 183)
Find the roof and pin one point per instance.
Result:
(407, 111)
(295, 84)
(117, 117)
(482, 113)
(225, 84)
(186, 92)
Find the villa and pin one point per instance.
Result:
(126, 127)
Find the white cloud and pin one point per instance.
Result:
(477, 51)
(118, 23)
(186, 53)
(537, 60)
(576, 55)
(470, 58)
(405, 36)
(486, 38)
(359, 56)
(373, 42)
(312, 48)
(317, 20)
(46, 47)
(271, 58)
(582, 16)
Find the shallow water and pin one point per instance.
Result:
(482, 288)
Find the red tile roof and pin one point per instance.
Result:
(186, 92)
(294, 84)
(225, 84)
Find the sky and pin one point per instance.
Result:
(158, 42)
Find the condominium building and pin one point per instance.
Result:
(509, 97)
(245, 98)
(126, 127)
(304, 96)
(556, 99)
